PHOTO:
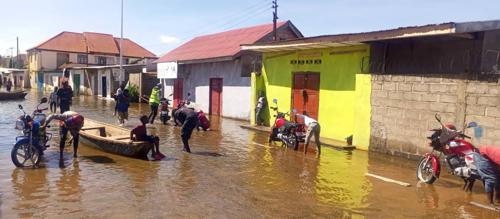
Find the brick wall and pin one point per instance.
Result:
(403, 109)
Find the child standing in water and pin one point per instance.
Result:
(53, 100)
(140, 133)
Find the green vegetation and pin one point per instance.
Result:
(133, 92)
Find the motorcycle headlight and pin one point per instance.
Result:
(20, 124)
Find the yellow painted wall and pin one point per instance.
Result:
(344, 102)
(362, 111)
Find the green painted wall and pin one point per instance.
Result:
(344, 102)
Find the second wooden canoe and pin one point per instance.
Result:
(14, 95)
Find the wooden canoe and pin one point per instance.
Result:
(14, 95)
(112, 139)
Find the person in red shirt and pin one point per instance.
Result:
(487, 163)
(139, 133)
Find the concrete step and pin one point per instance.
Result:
(324, 141)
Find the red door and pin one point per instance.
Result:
(305, 93)
(178, 89)
(215, 96)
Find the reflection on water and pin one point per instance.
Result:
(231, 173)
(100, 159)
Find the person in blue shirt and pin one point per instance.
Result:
(122, 106)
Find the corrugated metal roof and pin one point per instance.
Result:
(65, 41)
(101, 43)
(224, 44)
(89, 42)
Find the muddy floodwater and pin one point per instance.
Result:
(233, 173)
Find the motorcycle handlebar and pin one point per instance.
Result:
(465, 136)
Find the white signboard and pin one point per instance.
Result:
(167, 70)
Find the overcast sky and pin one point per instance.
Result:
(161, 25)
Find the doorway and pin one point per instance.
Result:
(305, 93)
(40, 81)
(215, 96)
(178, 89)
(76, 84)
(104, 91)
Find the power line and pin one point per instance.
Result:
(233, 23)
(223, 20)
(247, 18)
(223, 23)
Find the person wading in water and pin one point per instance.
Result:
(154, 102)
(65, 96)
(189, 120)
(53, 100)
(313, 128)
(69, 121)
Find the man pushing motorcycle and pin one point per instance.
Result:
(69, 121)
(487, 162)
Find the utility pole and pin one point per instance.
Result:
(11, 63)
(122, 75)
(17, 54)
(275, 19)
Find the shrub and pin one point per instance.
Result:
(133, 92)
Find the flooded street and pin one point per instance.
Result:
(232, 173)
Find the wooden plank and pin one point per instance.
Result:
(120, 137)
(92, 128)
(388, 180)
(485, 206)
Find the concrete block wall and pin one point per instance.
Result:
(404, 106)
(483, 107)
(403, 109)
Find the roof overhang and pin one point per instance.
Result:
(297, 46)
(341, 40)
(108, 67)
(198, 61)
(11, 70)
(463, 30)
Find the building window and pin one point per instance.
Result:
(100, 60)
(82, 59)
(62, 58)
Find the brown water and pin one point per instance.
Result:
(233, 173)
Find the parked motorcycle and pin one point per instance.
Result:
(288, 133)
(164, 111)
(451, 143)
(29, 147)
(203, 121)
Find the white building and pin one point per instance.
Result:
(71, 50)
(215, 72)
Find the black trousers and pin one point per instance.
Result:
(64, 107)
(257, 115)
(64, 136)
(154, 112)
(187, 129)
(53, 107)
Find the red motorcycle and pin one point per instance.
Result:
(289, 133)
(451, 143)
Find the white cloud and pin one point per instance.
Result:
(166, 39)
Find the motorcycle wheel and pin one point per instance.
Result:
(425, 171)
(292, 141)
(25, 156)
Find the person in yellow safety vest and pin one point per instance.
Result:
(154, 102)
